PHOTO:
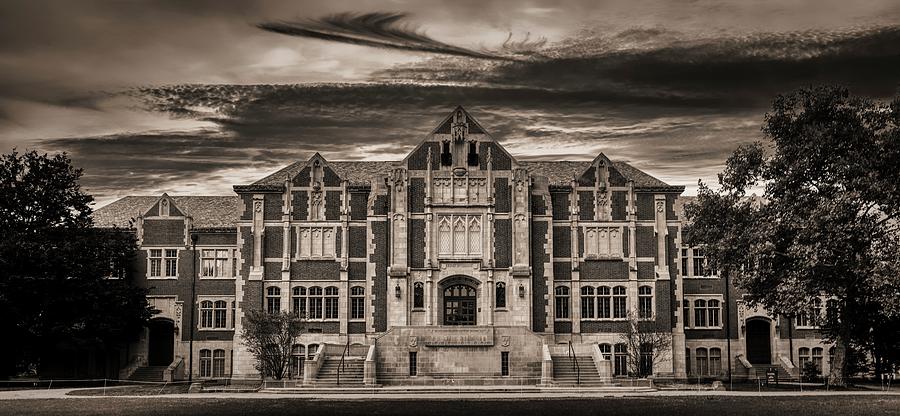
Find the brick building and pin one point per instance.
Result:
(458, 262)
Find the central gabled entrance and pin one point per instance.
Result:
(460, 305)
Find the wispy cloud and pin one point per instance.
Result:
(380, 30)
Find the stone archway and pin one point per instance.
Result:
(161, 342)
(459, 301)
(759, 340)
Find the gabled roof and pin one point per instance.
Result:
(206, 211)
(356, 172)
(562, 172)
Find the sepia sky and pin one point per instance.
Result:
(192, 97)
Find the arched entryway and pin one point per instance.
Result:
(460, 302)
(759, 341)
(161, 343)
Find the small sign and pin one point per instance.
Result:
(771, 376)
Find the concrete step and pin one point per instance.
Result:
(148, 373)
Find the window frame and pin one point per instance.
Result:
(448, 249)
(562, 292)
(273, 300)
(163, 259)
(357, 303)
(213, 311)
(500, 295)
(418, 296)
(694, 312)
(687, 258)
(646, 297)
(230, 262)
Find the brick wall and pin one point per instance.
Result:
(538, 280)
(604, 270)
(502, 242)
(163, 232)
(501, 195)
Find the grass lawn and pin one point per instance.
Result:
(694, 406)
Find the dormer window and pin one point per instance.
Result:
(473, 154)
(446, 154)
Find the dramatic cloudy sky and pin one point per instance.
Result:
(195, 96)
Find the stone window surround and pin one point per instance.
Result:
(689, 306)
(610, 296)
(321, 285)
(232, 256)
(689, 257)
(229, 314)
(162, 262)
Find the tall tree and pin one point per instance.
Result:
(827, 222)
(270, 337)
(64, 284)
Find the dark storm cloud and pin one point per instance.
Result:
(668, 66)
(378, 29)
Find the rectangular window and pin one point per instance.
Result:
(645, 302)
(562, 302)
(684, 262)
(155, 256)
(504, 363)
(216, 263)
(620, 303)
(331, 303)
(413, 364)
(357, 303)
(205, 363)
(171, 263)
(218, 363)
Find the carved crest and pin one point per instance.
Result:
(413, 342)
(257, 206)
(459, 129)
(660, 206)
(504, 341)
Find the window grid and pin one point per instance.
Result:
(163, 263)
(704, 313)
(217, 263)
(357, 303)
(645, 302)
(273, 300)
(562, 302)
(459, 235)
(501, 295)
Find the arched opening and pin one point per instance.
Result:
(161, 343)
(759, 346)
(460, 304)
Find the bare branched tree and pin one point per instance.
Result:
(270, 338)
(646, 345)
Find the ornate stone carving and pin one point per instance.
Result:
(459, 129)
(660, 206)
(504, 341)
(257, 206)
(413, 342)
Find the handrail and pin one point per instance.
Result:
(341, 363)
(575, 363)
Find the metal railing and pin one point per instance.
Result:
(341, 364)
(575, 364)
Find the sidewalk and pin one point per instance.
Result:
(449, 394)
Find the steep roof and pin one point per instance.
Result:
(206, 211)
(557, 172)
(356, 172)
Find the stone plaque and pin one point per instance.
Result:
(460, 337)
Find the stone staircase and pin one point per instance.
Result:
(566, 375)
(148, 373)
(350, 376)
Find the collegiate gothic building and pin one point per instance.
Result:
(457, 262)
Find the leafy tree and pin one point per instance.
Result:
(55, 291)
(827, 222)
(645, 345)
(270, 338)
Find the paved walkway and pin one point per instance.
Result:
(449, 394)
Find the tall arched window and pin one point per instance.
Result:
(587, 302)
(459, 235)
(700, 313)
(645, 302)
(620, 302)
(300, 301)
(804, 357)
(220, 314)
(315, 302)
(501, 295)
(606, 350)
(702, 361)
(715, 361)
(445, 236)
(206, 314)
(817, 359)
(475, 235)
(604, 302)
(620, 367)
(298, 357)
(714, 313)
(562, 302)
(273, 300)
(418, 295)
(357, 302)
(205, 363)
(218, 363)
(331, 302)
